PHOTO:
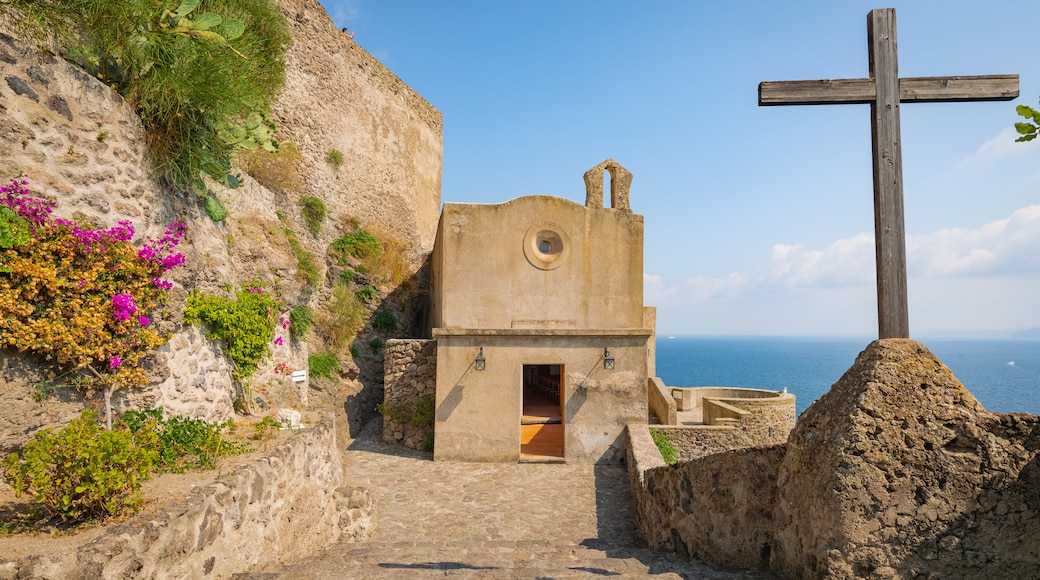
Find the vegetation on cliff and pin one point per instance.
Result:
(79, 296)
(202, 74)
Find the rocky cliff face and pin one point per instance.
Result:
(77, 141)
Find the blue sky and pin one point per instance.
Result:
(759, 220)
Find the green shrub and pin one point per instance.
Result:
(300, 321)
(359, 244)
(348, 276)
(664, 444)
(367, 293)
(78, 297)
(427, 444)
(385, 320)
(322, 365)
(306, 263)
(314, 212)
(340, 319)
(334, 158)
(183, 442)
(83, 470)
(265, 428)
(245, 324)
(375, 344)
(201, 76)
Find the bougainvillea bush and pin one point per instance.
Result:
(79, 296)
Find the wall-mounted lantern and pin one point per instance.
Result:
(480, 363)
(608, 361)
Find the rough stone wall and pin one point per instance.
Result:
(899, 472)
(411, 372)
(26, 406)
(896, 472)
(695, 441)
(78, 141)
(766, 421)
(285, 506)
(338, 96)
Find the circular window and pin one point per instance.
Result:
(545, 247)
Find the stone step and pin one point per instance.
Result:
(494, 559)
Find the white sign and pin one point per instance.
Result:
(299, 376)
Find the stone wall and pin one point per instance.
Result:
(410, 373)
(717, 508)
(338, 96)
(764, 421)
(695, 441)
(896, 472)
(80, 143)
(280, 508)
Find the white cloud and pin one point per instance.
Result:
(1009, 245)
(846, 261)
(1006, 246)
(1002, 146)
(342, 11)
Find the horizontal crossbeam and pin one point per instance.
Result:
(911, 89)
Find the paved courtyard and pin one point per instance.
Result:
(472, 520)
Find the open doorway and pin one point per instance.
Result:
(541, 423)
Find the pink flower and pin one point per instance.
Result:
(123, 306)
(114, 362)
(143, 320)
(278, 341)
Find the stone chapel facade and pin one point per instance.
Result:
(543, 344)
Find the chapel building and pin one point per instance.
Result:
(543, 345)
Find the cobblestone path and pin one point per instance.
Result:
(474, 520)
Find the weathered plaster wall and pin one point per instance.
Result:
(285, 506)
(478, 412)
(485, 273)
(410, 372)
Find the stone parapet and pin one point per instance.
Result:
(896, 472)
(287, 505)
(410, 373)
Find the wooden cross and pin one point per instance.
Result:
(884, 90)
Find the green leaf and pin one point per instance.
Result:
(1025, 138)
(207, 35)
(233, 29)
(206, 21)
(1025, 128)
(186, 7)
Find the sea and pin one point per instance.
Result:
(1003, 374)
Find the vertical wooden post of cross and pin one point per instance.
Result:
(890, 240)
(884, 90)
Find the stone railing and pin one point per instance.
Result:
(718, 507)
(661, 401)
(282, 507)
(409, 374)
